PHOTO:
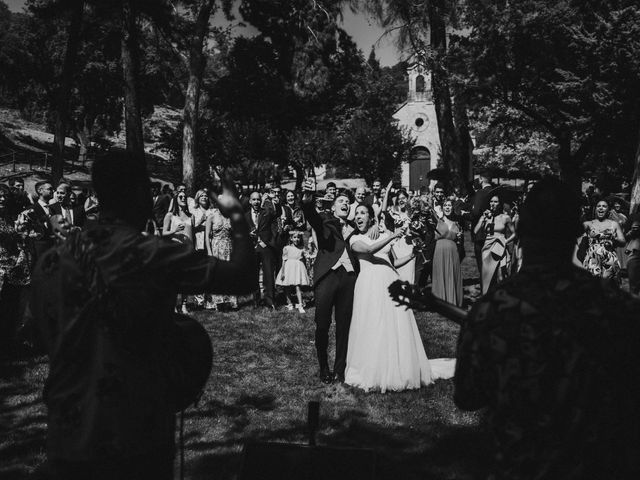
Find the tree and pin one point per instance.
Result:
(130, 72)
(423, 27)
(570, 67)
(196, 62)
(188, 33)
(76, 8)
(509, 144)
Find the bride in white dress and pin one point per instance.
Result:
(385, 349)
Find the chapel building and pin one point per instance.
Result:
(418, 116)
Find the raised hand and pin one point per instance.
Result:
(308, 189)
(374, 232)
(227, 202)
(389, 185)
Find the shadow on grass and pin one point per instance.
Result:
(214, 407)
(445, 452)
(22, 417)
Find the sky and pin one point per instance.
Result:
(364, 30)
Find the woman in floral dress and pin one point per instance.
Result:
(218, 243)
(15, 272)
(604, 236)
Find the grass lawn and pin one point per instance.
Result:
(264, 374)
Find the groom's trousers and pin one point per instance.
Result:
(334, 291)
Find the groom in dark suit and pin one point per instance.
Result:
(335, 274)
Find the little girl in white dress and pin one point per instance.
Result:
(293, 272)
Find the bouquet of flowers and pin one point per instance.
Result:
(420, 226)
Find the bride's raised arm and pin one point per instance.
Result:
(361, 247)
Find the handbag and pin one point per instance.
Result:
(497, 249)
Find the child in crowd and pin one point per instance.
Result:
(293, 272)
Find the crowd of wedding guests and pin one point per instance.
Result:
(433, 221)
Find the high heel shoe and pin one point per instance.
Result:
(300, 308)
(289, 307)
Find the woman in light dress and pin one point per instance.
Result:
(200, 211)
(218, 243)
(178, 225)
(385, 350)
(496, 262)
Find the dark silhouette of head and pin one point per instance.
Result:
(5, 202)
(550, 220)
(123, 188)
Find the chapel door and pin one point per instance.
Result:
(419, 163)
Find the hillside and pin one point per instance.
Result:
(26, 148)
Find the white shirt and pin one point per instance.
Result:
(437, 209)
(45, 206)
(344, 260)
(68, 214)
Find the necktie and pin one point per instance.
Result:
(67, 216)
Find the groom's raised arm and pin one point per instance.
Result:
(310, 213)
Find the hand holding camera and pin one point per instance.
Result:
(308, 189)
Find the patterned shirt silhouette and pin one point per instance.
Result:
(556, 359)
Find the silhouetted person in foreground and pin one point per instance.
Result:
(554, 355)
(103, 302)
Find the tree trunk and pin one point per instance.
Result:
(465, 146)
(635, 183)
(64, 92)
(130, 66)
(569, 171)
(442, 94)
(83, 136)
(300, 175)
(196, 64)
(189, 131)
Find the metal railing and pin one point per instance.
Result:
(16, 163)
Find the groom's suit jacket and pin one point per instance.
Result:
(331, 243)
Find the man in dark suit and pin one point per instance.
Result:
(480, 204)
(73, 215)
(260, 222)
(21, 200)
(335, 272)
(160, 206)
(41, 215)
(375, 198)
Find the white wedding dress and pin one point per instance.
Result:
(385, 349)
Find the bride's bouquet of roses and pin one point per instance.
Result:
(419, 227)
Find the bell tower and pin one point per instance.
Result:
(419, 84)
(417, 116)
